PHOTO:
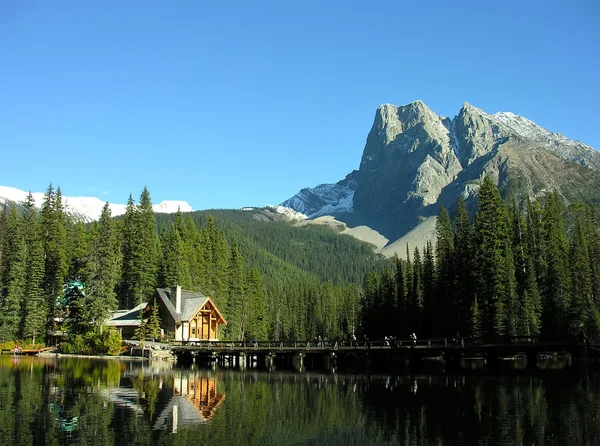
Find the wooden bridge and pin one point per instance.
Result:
(389, 352)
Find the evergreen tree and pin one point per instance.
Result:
(53, 227)
(584, 319)
(153, 325)
(34, 308)
(433, 307)
(129, 240)
(15, 279)
(102, 270)
(237, 308)
(141, 331)
(445, 276)
(494, 274)
(79, 251)
(417, 293)
(145, 250)
(259, 320)
(175, 270)
(464, 249)
(555, 291)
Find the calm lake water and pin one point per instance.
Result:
(103, 402)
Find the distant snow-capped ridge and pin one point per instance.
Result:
(89, 208)
(288, 212)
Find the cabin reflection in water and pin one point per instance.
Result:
(195, 400)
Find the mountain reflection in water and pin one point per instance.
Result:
(92, 401)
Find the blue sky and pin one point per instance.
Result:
(230, 104)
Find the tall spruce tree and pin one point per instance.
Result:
(237, 309)
(259, 318)
(54, 236)
(434, 320)
(143, 266)
(34, 308)
(79, 251)
(494, 274)
(584, 319)
(555, 284)
(464, 248)
(445, 275)
(128, 237)
(101, 273)
(174, 268)
(15, 279)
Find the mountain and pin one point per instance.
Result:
(87, 208)
(414, 161)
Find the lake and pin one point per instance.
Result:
(50, 400)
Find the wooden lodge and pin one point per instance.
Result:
(185, 316)
(188, 315)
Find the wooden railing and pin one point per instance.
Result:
(447, 342)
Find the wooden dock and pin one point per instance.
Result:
(449, 350)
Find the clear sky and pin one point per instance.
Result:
(230, 104)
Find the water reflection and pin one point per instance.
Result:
(84, 401)
(194, 400)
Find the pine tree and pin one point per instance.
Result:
(101, 273)
(237, 308)
(53, 226)
(174, 266)
(34, 310)
(464, 249)
(400, 315)
(445, 275)
(433, 307)
(145, 250)
(584, 319)
(555, 291)
(494, 274)
(153, 326)
(417, 292)
(79, 252)
(14, 279)
(129, 240)
(259, 319)
(141, 331)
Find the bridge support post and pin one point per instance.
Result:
(241, 360)
(298, 361)
(269, 361)
(329, 362)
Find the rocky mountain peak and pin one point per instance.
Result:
(414, 161)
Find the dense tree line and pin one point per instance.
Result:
(121, 261)
(507, 273)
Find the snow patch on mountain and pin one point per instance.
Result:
(325, 199)
(88, 208)
(288, 212)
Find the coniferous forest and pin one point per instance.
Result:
(529, 270)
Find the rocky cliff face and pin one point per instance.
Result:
(414, 160)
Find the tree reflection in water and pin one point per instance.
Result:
(84, 401)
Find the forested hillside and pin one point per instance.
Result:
(505, 273)
(501, 273)
(270, 279)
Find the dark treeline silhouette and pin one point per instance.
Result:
(507, 273)
(271, 280)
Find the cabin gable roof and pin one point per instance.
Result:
(191, 303)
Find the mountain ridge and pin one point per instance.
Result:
(87, 209)
(414, 161)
